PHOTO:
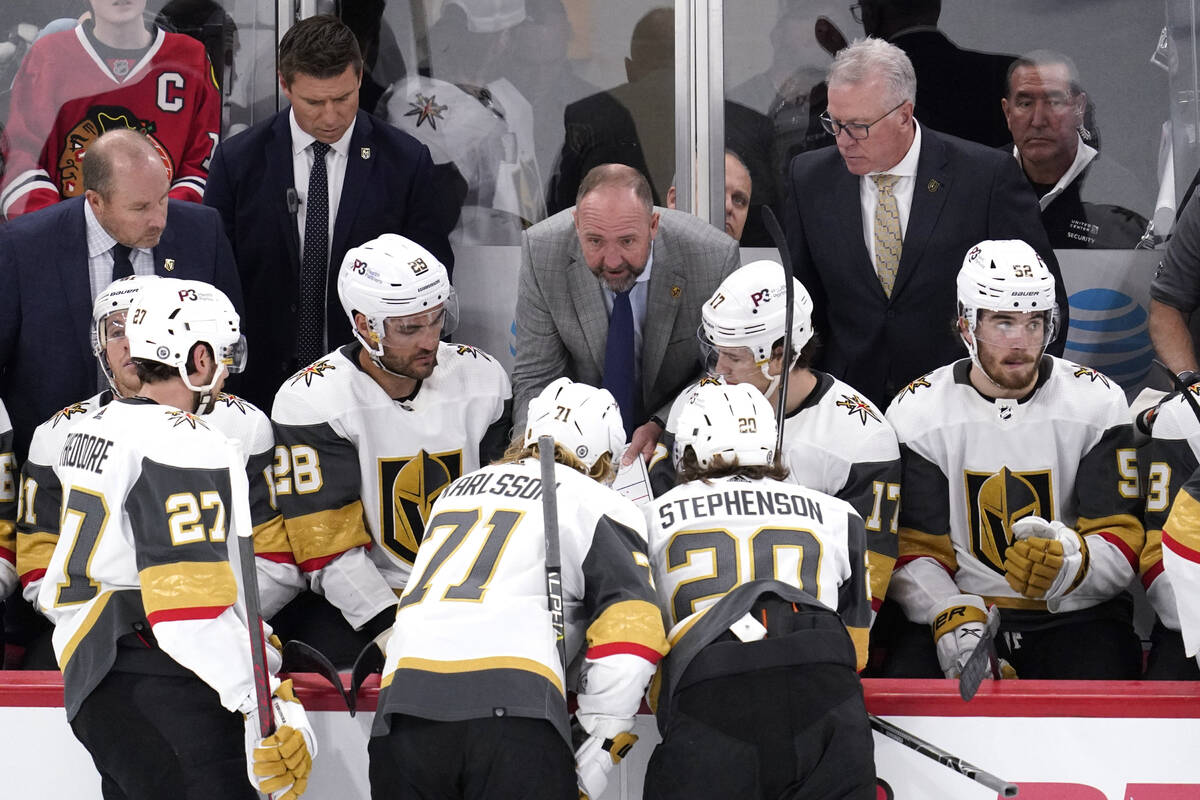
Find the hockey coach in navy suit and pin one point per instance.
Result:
(325, 161)
(55, 261)
(879, 225)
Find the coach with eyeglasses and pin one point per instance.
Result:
(879, 226)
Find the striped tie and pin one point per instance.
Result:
(888, 240)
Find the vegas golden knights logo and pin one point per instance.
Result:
(995, 501)
(408, 487)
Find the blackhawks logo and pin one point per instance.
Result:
(99, 120)
(408, 487)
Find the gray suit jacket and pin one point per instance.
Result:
(562, 323)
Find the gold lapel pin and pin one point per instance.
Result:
(675, 291)
(365, 152)
(933, 185)
(168, 264)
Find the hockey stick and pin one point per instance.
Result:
(300, 656)
(1180, 387)
(240, 495)
(369, 662)
(983, 661)
(780, 240)
(966, 769)
(554, 598)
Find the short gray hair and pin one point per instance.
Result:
(869, 58)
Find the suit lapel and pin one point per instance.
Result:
(847, 195)
(279, 178)
(588, 301)
(358, 170)
(73, 270)
(931, 188)
(662, 306)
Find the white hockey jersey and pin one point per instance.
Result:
(1181, 560)
(150, 495)
(8, 506)
(1165, 464)
(836, 442)
(358, 471)
(708, 537)
(473, 630)
(279, 579)
(973, 465)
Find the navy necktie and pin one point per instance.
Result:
(122, 266)
(310, 327)
(619, 360)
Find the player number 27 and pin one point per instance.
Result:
(452, 528)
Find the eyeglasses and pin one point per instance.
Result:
(856, 130)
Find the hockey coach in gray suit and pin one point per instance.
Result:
(610, 295)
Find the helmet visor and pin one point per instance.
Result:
(1015, 329)
(439, 321)
(734, 364)
(234, 356)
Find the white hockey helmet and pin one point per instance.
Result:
(170, 316)
(749, 309)
(391, 276)
(1005, 275)
(117, 296)
(730, 421)
(581, 418)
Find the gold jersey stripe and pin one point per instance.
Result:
(679, 631)
(322, 534)
(1015, 602)
(861, 638)
(879, 567)
(474, 665)
(8, 535)
(915, 543)
(34, 550)
(1125, 527)
(187, 584)
(271, 536)
(1183, 525)
(1152, 552)
(634, 621)
(85, 627)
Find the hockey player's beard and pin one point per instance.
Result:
(418, 366)
(1007, 375)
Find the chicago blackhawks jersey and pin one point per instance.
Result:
(836, 442)
(357, 468)
(473, 630)
(66, 95)
(974, 465)
(1165, 463)
(150, 495)
(708, 537)
(8, 506)
(279, 579)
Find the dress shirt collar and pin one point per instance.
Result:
(301, 140)
(907, 166)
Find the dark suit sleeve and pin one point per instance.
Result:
(219, 192)
(430, 214)
(803, 268)
(10, 306)
(225, 273)
(1014, 214)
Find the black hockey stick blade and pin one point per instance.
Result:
(983, 662)
(772, 225)
(301, 657)
(1180, 387)
(964, 768)
(370, 661)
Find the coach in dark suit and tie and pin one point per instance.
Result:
(299, 189)
(55, 261)
(610, 294)
(878, 227)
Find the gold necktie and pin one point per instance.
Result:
(888, 240)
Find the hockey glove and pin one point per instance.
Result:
(957, 630)
(596, 757)
(1047, 560)
(282, 761)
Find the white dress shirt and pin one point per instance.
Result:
(335, 171)
(100, 258)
